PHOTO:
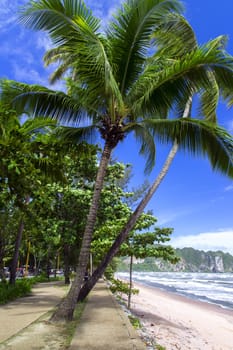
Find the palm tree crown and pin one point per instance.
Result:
(127, 75)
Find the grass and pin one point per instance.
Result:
(70, 327)
(135, 322)
(160, 347)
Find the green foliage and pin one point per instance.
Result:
(145, 267)
(111, 269)
(148, 244)
(135, 322)
(198, 260)
(10, 292)
(71, 326)
(21, 288)
(130, 75)
(160, 347)
(43, 278)
(191, 255)
(118, 286)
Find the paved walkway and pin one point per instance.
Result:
(104, 325)
(20, 313)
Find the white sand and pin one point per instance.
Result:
(176, 322)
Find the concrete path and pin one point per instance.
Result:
(18, 314)
(104, 325)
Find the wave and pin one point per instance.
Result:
(215, 288)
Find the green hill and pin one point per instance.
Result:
(191, 260)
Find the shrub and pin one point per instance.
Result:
(135, 322)
(10, 292)
(21, 288)
(118, 286)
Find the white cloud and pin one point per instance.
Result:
(7, 16)
(168, 216)
(29, 75)
(228, 188)
(103, 10)
(220, 240)
(43, 42)
(9, 11)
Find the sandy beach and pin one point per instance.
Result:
(176, 322)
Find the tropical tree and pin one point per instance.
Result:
(147, 244)
(19, 166)
(119, 85)
(61, 208)
(172, 45)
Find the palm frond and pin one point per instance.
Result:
(60, 18)
(93, 68)
(199, 137)
(33, 125)
(72, 27)
(65, 62)
(78, 135)
(130, 35)
(174, 38)
(209, 100)
(146, 140)
(36, 100)
(181, 78)
(224, 79)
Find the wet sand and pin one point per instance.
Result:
(177, 322)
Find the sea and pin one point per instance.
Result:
(213, 288)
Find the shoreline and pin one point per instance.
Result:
(178, 322)
(202, 303)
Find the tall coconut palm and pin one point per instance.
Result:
(172, 45)
(120, 86)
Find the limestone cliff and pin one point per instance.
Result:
(191, 260)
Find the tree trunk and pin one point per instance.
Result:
(133, 218)
(66, 251)
(128, 227)
(2, 249)
(15, 259)
(130, 281)
(48, 264)
(66, 308)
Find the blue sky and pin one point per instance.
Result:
(192, 199)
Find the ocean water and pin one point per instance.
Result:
(214, 288)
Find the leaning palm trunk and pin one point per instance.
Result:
(129, 226)
(132, 220)
(66, 308)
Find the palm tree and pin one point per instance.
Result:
(119, 85)
(171, 44)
